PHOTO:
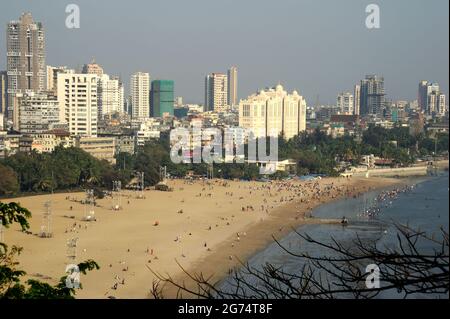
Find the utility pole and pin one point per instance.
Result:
(116, 195)
(46, 226)
(89, 213)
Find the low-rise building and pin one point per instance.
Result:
(46, 142)
(102, 148)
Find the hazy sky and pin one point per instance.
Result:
(319, 47)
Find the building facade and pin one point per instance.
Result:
(345, 103)
(77, 97)
(102, 148)
(52, 77)
(92, 68)
(273, 112)
(162, 98)
(233, 86)
(3, 91)
(357, 100)
(110, 96)
(140, 95)
(37, 112)
(216, 92)
(25, 51)
(372, 97)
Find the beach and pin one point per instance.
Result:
(206, 226)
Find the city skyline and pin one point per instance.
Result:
(185, 61)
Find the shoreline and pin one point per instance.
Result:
(200, 238)
(284, 220)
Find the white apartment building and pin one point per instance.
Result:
(37, 112)
(272, 112)
(146, 132)
(140, 95)
(442, 107)
(52, 76)
(216, 92)
(110, 95)
(345, 103)
(77, 97)
(357, 100)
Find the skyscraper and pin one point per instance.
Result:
(430, 98)
(162, 98)
(110, 95)
(25, 51)
(232, 86)
(272, 112)
(3, 91)
(140, 91)
(422, 97)
(357, 100)
(77, 97)
(373, 98)
(345, 103)
(216, 92)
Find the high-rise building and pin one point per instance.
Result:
(25, 51)
(273, 112)
(357, 100)
(345, 103)
(92, 68)
(422, 96)
(162, 98)
(77, 97)
(216, 92)
(37, 112)
(431, 100)
(140, 91)
(110, 95)
(373, 98)
(3, 91)
(232, 86)
(179, 101)
(52, 76)
(442, 107)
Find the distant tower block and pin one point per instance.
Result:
(116, 195)
(72, 249)
(89, 213)
(46, 226)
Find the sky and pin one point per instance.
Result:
(318, 47)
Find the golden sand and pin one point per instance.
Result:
(199, 225)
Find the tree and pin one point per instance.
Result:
(8, 181)
(407, 269)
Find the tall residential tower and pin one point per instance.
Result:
(140, 95)
(25, 51)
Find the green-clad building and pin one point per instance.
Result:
(162, 98)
